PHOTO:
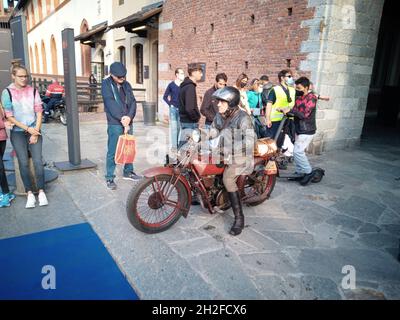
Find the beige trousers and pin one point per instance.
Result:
(241, 165)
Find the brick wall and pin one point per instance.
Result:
(260, 32)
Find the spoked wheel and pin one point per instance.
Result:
(155, 204)
(258, 187)
(63, 118)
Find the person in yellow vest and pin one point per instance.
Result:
(281, 97)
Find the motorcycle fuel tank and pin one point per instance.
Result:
(207, 169)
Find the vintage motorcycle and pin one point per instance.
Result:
(165, 193)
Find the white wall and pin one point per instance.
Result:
(71, 16)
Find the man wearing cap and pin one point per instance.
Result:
(120, 108)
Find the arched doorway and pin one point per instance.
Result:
(122, 55)
(138, 63)
(382, 117)
(37, 69)
(44, 58)
(48, 7)
(40, 9)
(85, 52)
(54, 62)
(98, 65)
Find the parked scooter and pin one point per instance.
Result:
(58, 111)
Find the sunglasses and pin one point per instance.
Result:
(288, 76)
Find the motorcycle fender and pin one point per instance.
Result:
(241, 180)
(152, 172)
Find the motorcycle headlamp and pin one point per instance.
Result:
(196, 135)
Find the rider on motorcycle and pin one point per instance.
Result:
(55, 92)
(235, 131)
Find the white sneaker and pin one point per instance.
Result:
(42, 199)
(30, 201)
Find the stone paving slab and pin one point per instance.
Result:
(223, 270)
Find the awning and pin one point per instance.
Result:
(142, 18)
(93, 35)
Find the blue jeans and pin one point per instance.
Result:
(20, 143)
(113, 132)
(299, 153)
(49, 106)
(186, 131)
(174, 126)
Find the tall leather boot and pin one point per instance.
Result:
(238, 225)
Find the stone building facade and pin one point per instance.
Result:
(331, 41)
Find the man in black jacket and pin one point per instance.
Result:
(209, 106)
(188, 110)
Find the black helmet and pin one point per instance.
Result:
(228, 94)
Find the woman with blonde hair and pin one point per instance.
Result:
(23, 108)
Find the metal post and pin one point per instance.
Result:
(71, 101)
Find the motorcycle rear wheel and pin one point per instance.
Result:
(150, 209)
(264, 186)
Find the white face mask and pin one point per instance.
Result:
(260, 90)
(181, 77)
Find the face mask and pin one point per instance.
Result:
(299, 93)
(260, 90)
(242, 85)
(181, 77)
(290, 82)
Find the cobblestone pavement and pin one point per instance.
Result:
(294, 246)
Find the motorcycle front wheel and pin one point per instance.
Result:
(155, 204)
(63, 118)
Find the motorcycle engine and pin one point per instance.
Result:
(208, 181)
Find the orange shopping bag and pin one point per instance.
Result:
(126, 149)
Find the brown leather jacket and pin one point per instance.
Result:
(209, 106)
(236, 132)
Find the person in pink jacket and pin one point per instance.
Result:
(5, 196)
(23, 108)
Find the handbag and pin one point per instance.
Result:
(126, 149)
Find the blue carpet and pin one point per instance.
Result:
(84, 270)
